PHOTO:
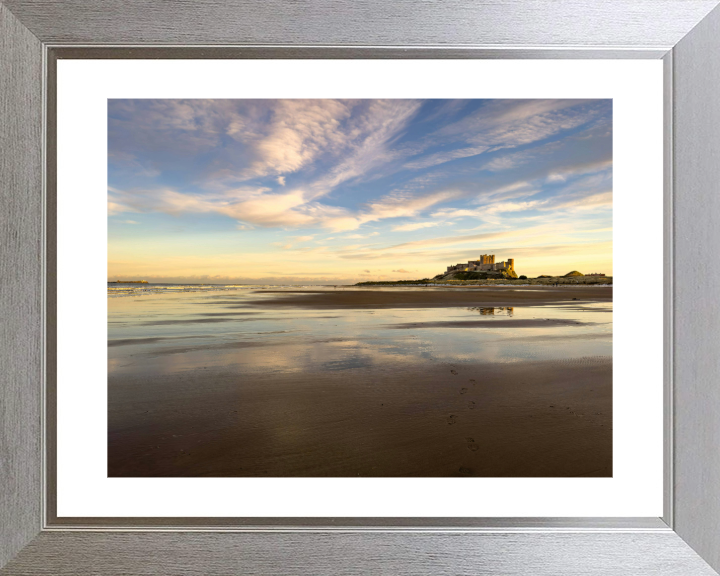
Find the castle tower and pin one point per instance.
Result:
(511, 263)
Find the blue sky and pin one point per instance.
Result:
(340, 191)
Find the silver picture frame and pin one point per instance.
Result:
(685, 34)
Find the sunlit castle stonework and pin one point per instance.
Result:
(486, 263)
(483, 268)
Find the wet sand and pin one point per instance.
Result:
(437, 298)
(527, 419)
(361, 392)
(528, 323)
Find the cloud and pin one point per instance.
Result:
(115, 208)
(515, 159)
(504, 124)
(116, 204)
(415, 226)
(256, 138)
(403, 250)
(427, 249)
(369, 136)
(442, 157)
(353, 136)
(512, 123)
(401, 271)
(510, 191)
(259, 206)
(148, 137)
(355, 236)
(526, 243)
(289, 135)
(564, 173)
(556, 177)
(392, 206)
(489, 210)
(128, 163)
(248, 206)
(590, 201)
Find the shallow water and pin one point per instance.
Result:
(166, 333)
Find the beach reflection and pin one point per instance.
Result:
(171, 334)
(493, 311)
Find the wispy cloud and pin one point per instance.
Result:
(500, 125)
(442, 157)
(357, 236)
(415, 226)
(288, 136)
(392, 206)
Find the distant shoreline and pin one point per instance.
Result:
(551, 281)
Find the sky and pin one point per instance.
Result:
(345, 191)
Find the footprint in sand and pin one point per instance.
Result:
(452, 419)
(473, 381)
(465, 471)
(471, 444)
(463, 390)
(471, 405)
(453, 372)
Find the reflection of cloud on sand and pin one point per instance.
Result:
(269, 340)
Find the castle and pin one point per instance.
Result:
(486, 263)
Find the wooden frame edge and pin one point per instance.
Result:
(20, 271)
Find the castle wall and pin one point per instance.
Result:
(486, 263)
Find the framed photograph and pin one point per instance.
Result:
(411, 290)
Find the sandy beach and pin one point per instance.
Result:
(494, 382)
(436, 297)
